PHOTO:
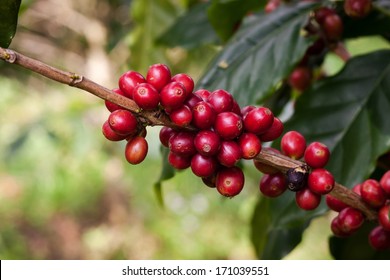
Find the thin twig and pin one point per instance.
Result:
(158, 117)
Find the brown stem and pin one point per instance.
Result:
(158, 117)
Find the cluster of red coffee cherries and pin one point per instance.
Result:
(309, 181)
(375, 194)
(211, 132)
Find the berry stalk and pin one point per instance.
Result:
(158, 117)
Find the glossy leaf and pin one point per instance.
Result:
(349, 113)
(278, 224)
(191, 30)
(260, 55)
(9, 10)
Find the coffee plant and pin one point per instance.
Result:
(320, 141)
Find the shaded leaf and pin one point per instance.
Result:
(262, 53)
(167, 172)
(349, 113)
(9, 10)
(191, 30)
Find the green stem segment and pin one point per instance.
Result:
(158, 117)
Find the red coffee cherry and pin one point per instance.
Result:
(111, 134)
(317, 155)
(228, 125)
(136, 150)
(357, 8)
(112, 106)
(203, 115)
(182, 143)
(356, 189)
(350, 220)
(307, 200)
(203, 94)
(273, 132)
(236, 108)
(333, 27)
(293, 144)
(158, 76)
(185, 80)
(300, 78)
(210, 181)
(165, 134)
(335, 227)
(372, 193)
(146, 96)
(250, 145)
(335, 204)
(273, 185)
(245, 110)
(181, 116)
(230, 181)
(385, 183)
(229, 153)
(321, 13)
(128, 81)
(258, 120)
(203, 166)
(173, 95)
(207, 142)
(192, 100)
(221, 100)
(379, 238)
(320, 181)
(123, 122)
(179, 161)
(384, 217)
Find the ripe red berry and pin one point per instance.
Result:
(136, 150)
(228, 125)
(333, 27)
(146, 96)
(123, 122)
(385, 183)
(229, 153)
(384, 217)
(203, 166)
(112, 106)
(181, 116)
(203, 115)
(321, 13)
(293, 144)
(173, 96)
(182, 143)
(379, 238)
(245, 110)
(273, 185)
(372, 193)
(192, 100)
(300, 78)
(258, 120)
(356, 189)
(185, 80)
(357, 8)
(230, 181)
(210, 181)
(158, 76)
(203, 94)
(317, 155)
(273, 132)
(250, 145)
(307, 200)
(236, 108)
(221, 100)
(320, 181)
(111, 134)
(207, 142)
(164, 135)
(334, 203)
(179, 161)
(128, 81)
(350, 220)
(335, 227)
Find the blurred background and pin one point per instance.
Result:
(68, 193)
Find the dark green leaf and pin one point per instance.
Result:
(262, 53)
(167, 172)
(191, 30)
(278, 224)
(349, 113)
(9, 10)
(356, 247)
(225, 16)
